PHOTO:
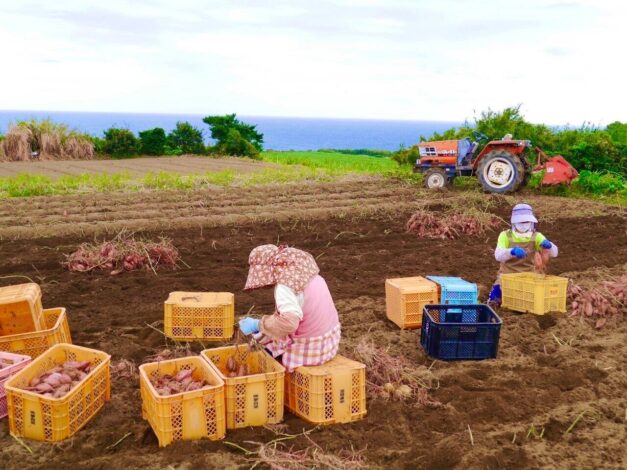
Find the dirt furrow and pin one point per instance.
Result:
(12, 204)
(194, 204)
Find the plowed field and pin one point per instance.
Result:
(136, 166)
(356, 230)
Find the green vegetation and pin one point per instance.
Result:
(586, 148)
(406, 156)
(368, 152)
(607, 186)
(153, 141)
(185, 138)
(337, 163)
(234, 137)
(120, 143)
(26, 185)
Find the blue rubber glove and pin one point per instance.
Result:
(249, 326)
(546, 244)
(518, 252)
(495, 294)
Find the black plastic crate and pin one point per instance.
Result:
(455, 332)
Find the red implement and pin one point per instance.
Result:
(557, 169)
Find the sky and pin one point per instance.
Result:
(562, 60)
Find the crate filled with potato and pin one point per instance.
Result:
(58, 393)
(199, 316)
(254, 385)
(182, 399)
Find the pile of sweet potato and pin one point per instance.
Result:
(427, 224)
(123, 253)
(183, 381)
(58, 381)
(600, 301)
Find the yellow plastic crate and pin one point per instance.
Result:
(53, 419)
(534, 293)
(334, 392)
(255, 399)
(184, 416)
(36, 343)
(406, 297)
(199, 316)
(20, 309)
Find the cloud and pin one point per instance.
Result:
(337, 58)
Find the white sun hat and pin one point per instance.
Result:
(523, 213)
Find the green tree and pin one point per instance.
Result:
(235, 144)
(618, 132)
(186, 138)
(153, 141)
(222, 125)
(120, 143)
(406, 156)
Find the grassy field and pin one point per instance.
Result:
(294, 166)
(335, 162)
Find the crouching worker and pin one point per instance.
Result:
(516, 248)
(304, 329)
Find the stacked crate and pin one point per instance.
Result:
(406, 297)
(27, 328)
(457, 326)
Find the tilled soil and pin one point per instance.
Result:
(137, 166)
(550, 369)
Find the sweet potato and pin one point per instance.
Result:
(182, 381)
(60, 379)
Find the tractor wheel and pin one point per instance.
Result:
(435, 178)
(528, 171)
(501, 171)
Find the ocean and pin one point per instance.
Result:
(280, 133)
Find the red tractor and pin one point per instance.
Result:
(502, 166)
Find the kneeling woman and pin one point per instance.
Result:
(304, 329)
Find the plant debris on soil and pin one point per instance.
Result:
(277, 455)
(394, 377)
(123, 253)
(600, 302)
(428, 224)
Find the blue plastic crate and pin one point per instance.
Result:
(454, 332)
(454, 290)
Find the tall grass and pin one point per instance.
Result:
(47, 139)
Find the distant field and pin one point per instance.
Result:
(136, 166)
(334, 161)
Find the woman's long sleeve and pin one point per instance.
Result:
(279, 325)
(288, 314)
